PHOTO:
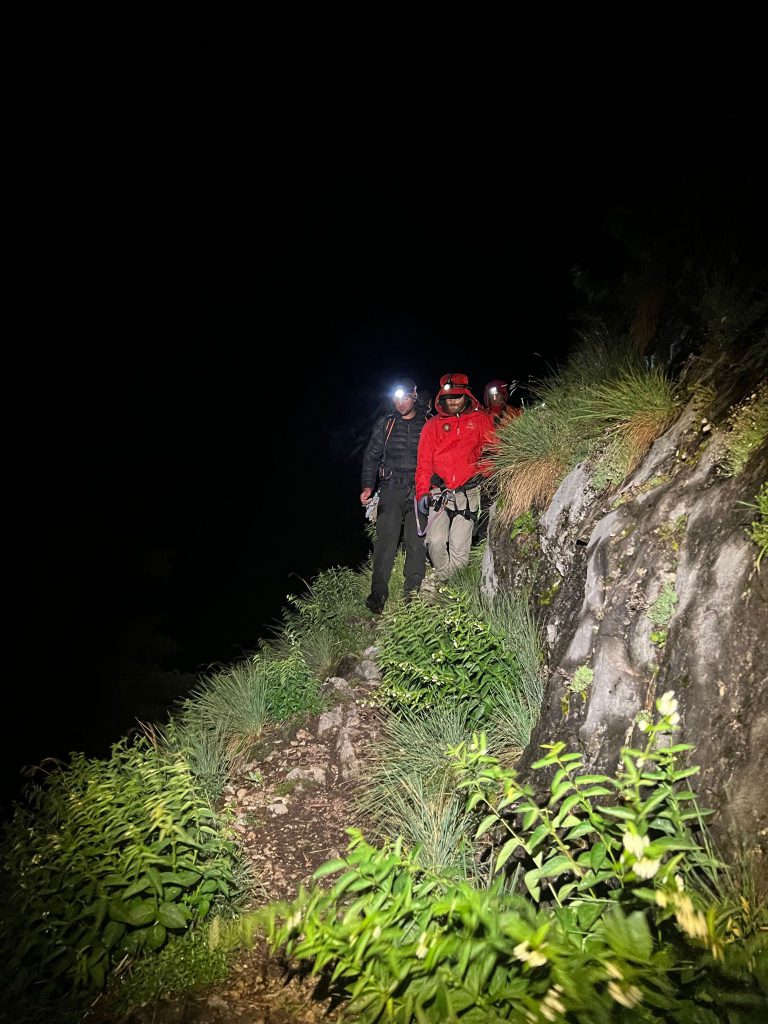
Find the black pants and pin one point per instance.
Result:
(396, 515)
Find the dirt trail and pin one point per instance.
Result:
(292, 803)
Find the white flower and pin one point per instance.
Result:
(629, 996)
(674, 718)
(422, 948)
(679, 883)
(551, 1004)
(635, 844)
(666, 704)
(646, 868)
(534, 957)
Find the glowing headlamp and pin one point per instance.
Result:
(493, 391)
(399, 393)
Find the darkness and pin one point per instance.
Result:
(207, 342)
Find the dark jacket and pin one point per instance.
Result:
(392, 449)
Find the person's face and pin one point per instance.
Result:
(405, 404)
(454, 403)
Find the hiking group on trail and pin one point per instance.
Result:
(421, 479)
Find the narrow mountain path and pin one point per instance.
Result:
(291, 804)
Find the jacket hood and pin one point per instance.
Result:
(452, 384)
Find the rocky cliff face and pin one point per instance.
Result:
(653, 587)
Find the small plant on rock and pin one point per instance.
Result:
(758, 529)
(747, 430)
(580, 683)
(660, 612)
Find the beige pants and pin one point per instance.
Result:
(449, 537)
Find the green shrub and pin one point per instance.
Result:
(216, 727)
(441, 653)
(621, 930)
(234, 701)
(205, 748)
(186, 963)
(525, 524)
(110, 859)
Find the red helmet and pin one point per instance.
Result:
(494, 387)
(453, 384)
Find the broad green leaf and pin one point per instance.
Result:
(328, 868)
(597, 855)
(536, 837)
(580, 830)
(559, 791)
(531, 879)
(485, 824)
(590, 780)
(505, 852)
(156, 936)
(140, 885)
(620, 812)
(556, 866)
(588, 913)
(171, 915)
(184, 878)
(112, 933)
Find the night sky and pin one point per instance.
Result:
(207, 344)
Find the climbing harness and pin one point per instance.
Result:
(438, 504)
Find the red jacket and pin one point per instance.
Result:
(451, 447)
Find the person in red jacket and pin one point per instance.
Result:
(496, 401)
(448, 473)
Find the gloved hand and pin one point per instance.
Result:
(423, 505)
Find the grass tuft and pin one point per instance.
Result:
(758, 529)
(408, 788)
(604, 398)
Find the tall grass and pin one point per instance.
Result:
(531, 456)
(514, 702)
(604, 394)
(636, 407)
(206, 749)
(326, 621)
(408, 787)
(226, 710)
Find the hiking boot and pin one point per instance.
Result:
(374, 604)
